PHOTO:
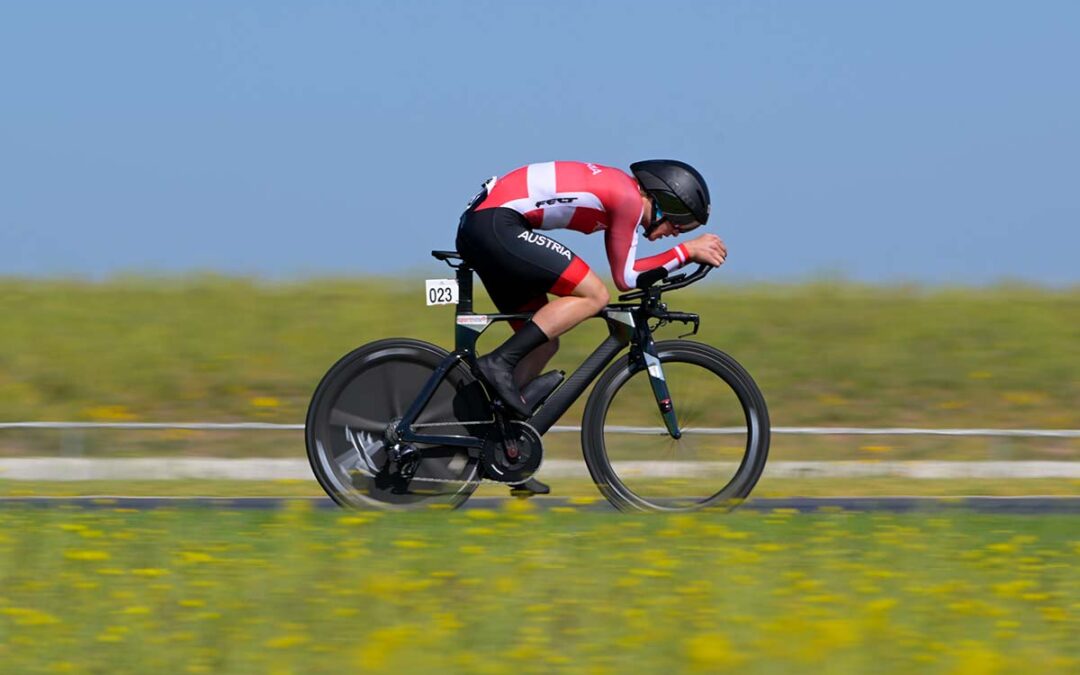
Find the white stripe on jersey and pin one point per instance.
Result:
(540, 179)
(558, 207)
(558, 215)
(678, 252)
(629, 275)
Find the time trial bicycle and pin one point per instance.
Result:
(672, 425)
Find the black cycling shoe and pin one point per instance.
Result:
(537, 390)
(529, 488)
(500, 375)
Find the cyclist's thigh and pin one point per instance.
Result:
(518, 266)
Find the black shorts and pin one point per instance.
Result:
(518, 266)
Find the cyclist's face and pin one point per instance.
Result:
(669, 229)
(664, 229)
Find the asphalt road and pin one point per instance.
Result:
(1006, 505)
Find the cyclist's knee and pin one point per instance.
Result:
(602, 298)
(593, 290)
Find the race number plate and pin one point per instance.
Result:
(441, 291)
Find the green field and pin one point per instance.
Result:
(224, 349)
(299, 591)
(229, 349)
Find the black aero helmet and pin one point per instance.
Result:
(676, 188)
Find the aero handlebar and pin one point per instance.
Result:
(647, 279)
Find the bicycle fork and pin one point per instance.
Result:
(647, 359)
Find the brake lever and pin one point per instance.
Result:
(686, 318)
(697, 324)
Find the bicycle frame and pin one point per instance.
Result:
(627, 325)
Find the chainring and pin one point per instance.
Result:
(512, 460)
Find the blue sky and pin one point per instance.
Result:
(916, 141)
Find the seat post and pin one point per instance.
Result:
(465, 289)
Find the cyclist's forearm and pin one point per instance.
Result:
(671, 260)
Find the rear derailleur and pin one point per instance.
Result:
(402, 462)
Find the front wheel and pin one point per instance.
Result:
(638, 466)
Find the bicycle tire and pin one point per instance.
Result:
(751, 404)
(356, 400)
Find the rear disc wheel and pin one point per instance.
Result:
(357, 401)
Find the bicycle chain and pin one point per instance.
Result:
(451, 424)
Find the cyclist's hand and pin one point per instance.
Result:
(707, 249)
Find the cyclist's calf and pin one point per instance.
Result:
(533, 363)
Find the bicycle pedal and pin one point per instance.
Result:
(529, 488)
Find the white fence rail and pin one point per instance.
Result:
(268, 468)
(808, 431)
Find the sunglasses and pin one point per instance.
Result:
(668, 208)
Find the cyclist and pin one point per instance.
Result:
(498, 236)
